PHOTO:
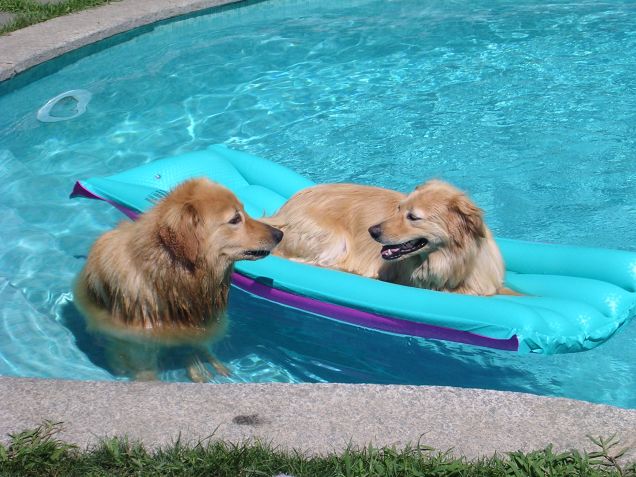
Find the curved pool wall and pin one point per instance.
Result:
(42, 322)
(35, 45)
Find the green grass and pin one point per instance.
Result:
(29, 12)
(39, 452)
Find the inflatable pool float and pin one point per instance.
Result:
(576, 299)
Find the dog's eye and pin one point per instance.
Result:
(236, 219)
(412, 217)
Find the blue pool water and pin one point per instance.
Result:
(530, 107)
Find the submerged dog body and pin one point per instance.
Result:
(434, 237)
(165, 278)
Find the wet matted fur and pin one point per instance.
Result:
(163, 280)
(435, 237)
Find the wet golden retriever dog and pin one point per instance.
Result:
(434, 237)
(164, 279)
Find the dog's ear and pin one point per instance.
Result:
(422, 185)
(469, 218)
(179, 233)
(429, 183)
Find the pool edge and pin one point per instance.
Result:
(313, 418)
(28, 47)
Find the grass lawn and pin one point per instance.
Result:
(39, 452)
(29, 12)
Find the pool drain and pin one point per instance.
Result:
(81, 98)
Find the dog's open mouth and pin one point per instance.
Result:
(391, 252)
(256, 253)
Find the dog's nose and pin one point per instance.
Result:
(277, 235)
(375, 231)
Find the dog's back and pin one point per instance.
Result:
(327, 225)
(130, 287)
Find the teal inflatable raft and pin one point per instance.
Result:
(577, 297)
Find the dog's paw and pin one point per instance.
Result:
(198, 372)
(220, 368)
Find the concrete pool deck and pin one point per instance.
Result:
(315, 418)
(30, 46)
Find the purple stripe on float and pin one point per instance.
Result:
(370, 320)
(80, 191)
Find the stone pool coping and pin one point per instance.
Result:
(30, 46)
(315, 418)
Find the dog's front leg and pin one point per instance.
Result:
(198, 371)
(218, 366)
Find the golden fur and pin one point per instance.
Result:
(164, 279)
(352, 227)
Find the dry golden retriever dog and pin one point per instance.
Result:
(433, 238)
(164, 279)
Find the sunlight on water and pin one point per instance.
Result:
(530, 107)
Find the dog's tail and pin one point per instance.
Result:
(508, 291)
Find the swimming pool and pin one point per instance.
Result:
(529, 107)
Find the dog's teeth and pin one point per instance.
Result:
(389, 252)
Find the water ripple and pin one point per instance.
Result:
(529, 106)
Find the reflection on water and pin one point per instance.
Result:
(528, 106)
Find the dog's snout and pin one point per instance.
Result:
(277, 234)
(375, 231)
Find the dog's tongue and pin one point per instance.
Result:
(388, 251)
